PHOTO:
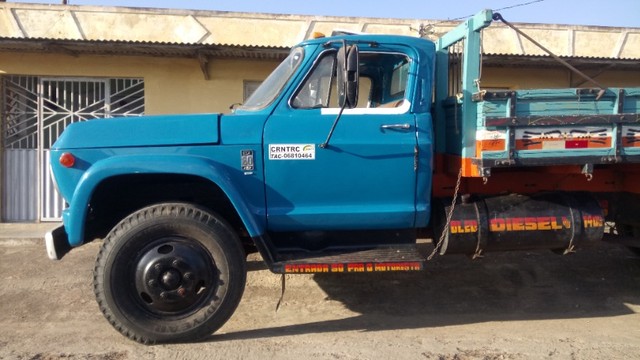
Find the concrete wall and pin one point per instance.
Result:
(172, 85)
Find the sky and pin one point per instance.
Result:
(624, 13)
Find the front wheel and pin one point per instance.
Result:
(169, 272)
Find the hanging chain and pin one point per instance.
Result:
(449, 215)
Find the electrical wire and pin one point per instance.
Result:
(494, 10)
(519, 5)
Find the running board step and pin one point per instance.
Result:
(378, 259)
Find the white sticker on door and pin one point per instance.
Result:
(292, 152)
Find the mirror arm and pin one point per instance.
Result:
(348, 63)
(333, 127)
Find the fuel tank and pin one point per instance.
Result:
(556, 221)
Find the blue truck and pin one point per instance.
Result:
(352, 150)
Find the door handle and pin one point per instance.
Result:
(396, 126)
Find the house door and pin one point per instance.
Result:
(61, 103)
(36, 111)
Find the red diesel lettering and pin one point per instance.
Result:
(529, 224)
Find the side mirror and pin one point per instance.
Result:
(348, 76)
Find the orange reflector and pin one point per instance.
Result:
(317, 35)
(67, 160)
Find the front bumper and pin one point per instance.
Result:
(57, 243)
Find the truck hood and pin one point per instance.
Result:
(166, 130)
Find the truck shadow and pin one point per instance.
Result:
(595, 282)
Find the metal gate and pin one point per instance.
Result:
(36, 111)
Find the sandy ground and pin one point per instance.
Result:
(504, 306)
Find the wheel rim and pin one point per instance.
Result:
(174, 276)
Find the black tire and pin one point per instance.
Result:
(169, 272)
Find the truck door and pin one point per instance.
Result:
(365, 177)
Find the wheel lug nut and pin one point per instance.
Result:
(175, 263)
(163, 295)
(158, 266)
(182, 292)
(187, 276)
(152, 283)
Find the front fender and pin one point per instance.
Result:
(75, 216)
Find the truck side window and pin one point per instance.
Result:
(399, 79)
(389, 73)
(364, 98)
(316, 90)
(383, 80)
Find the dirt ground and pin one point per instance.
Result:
(505, 306)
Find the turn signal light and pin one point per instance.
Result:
(67, 160)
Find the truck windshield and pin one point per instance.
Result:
(271, 87)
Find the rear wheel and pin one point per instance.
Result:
(169, 272)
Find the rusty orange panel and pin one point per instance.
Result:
(490, 145)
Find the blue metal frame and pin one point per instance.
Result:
(469, 31)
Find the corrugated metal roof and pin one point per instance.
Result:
(76, 47)
(141, 48)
